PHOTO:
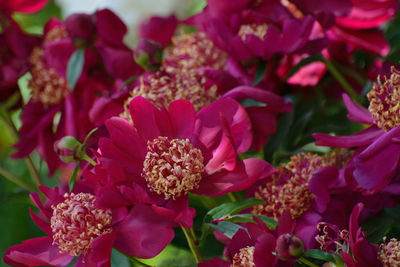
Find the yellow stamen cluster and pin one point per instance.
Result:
(76, 222)
(244, 258)
(289, 185)
(162, 88)
(389, 253)
(172, 167)
(47, 86)
(384, 101)
(193, 51)
(259, 30)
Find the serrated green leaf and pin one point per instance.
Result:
(75, 67)
(318, 255)
(227, 228)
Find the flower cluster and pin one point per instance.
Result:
(204, 131)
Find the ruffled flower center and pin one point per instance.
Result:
(76, 222)
(384, 101)
(47, 86)
(244, 258)
(259, 30)
(289, 185)
(389, 253)
(193, 51)
(162, 88)
(172, 167)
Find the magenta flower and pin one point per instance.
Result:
(51, 92)
(23, 6)
(159, 29)
(352, 245)
(166, 154)
(375, 163)
(76, 226)
(256, 245)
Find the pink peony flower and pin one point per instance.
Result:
(76, 226)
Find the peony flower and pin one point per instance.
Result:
(77, 227)
(167, 153)
(51, 92)
(375, 163)
(352, 245)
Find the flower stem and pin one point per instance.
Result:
(15, 180)
(191, 239)
(28, 161)
(339, 77)
(307, 262)
(32, 170)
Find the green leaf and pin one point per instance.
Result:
(243, 218)
(260, 72)
(227, 228)
(318, 255)
(377, 227)
(302, 63)
(230, 208)
(72, 180)
(119, 260)
(75, 67)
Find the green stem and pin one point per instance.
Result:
(28, 161)
(307, 262)
(32, 170)
(192, 244)
(352, 73)
(339, 77)
(15, 180)
(88, 159)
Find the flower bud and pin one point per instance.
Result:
(289, 247)
(68, 149)
(148, 54)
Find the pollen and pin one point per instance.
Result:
(289, 185)
(162, 88)
(193, 51)
(76, 222)
(244, 258)
(172, 167)
(389, 253)
(384, 101)
(47, 85)
(331, 238)
(259, 30)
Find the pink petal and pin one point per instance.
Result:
(143, 234)
(182, 116)
(357, 112)
(365, 137)
(246, 173)
(36, 252)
